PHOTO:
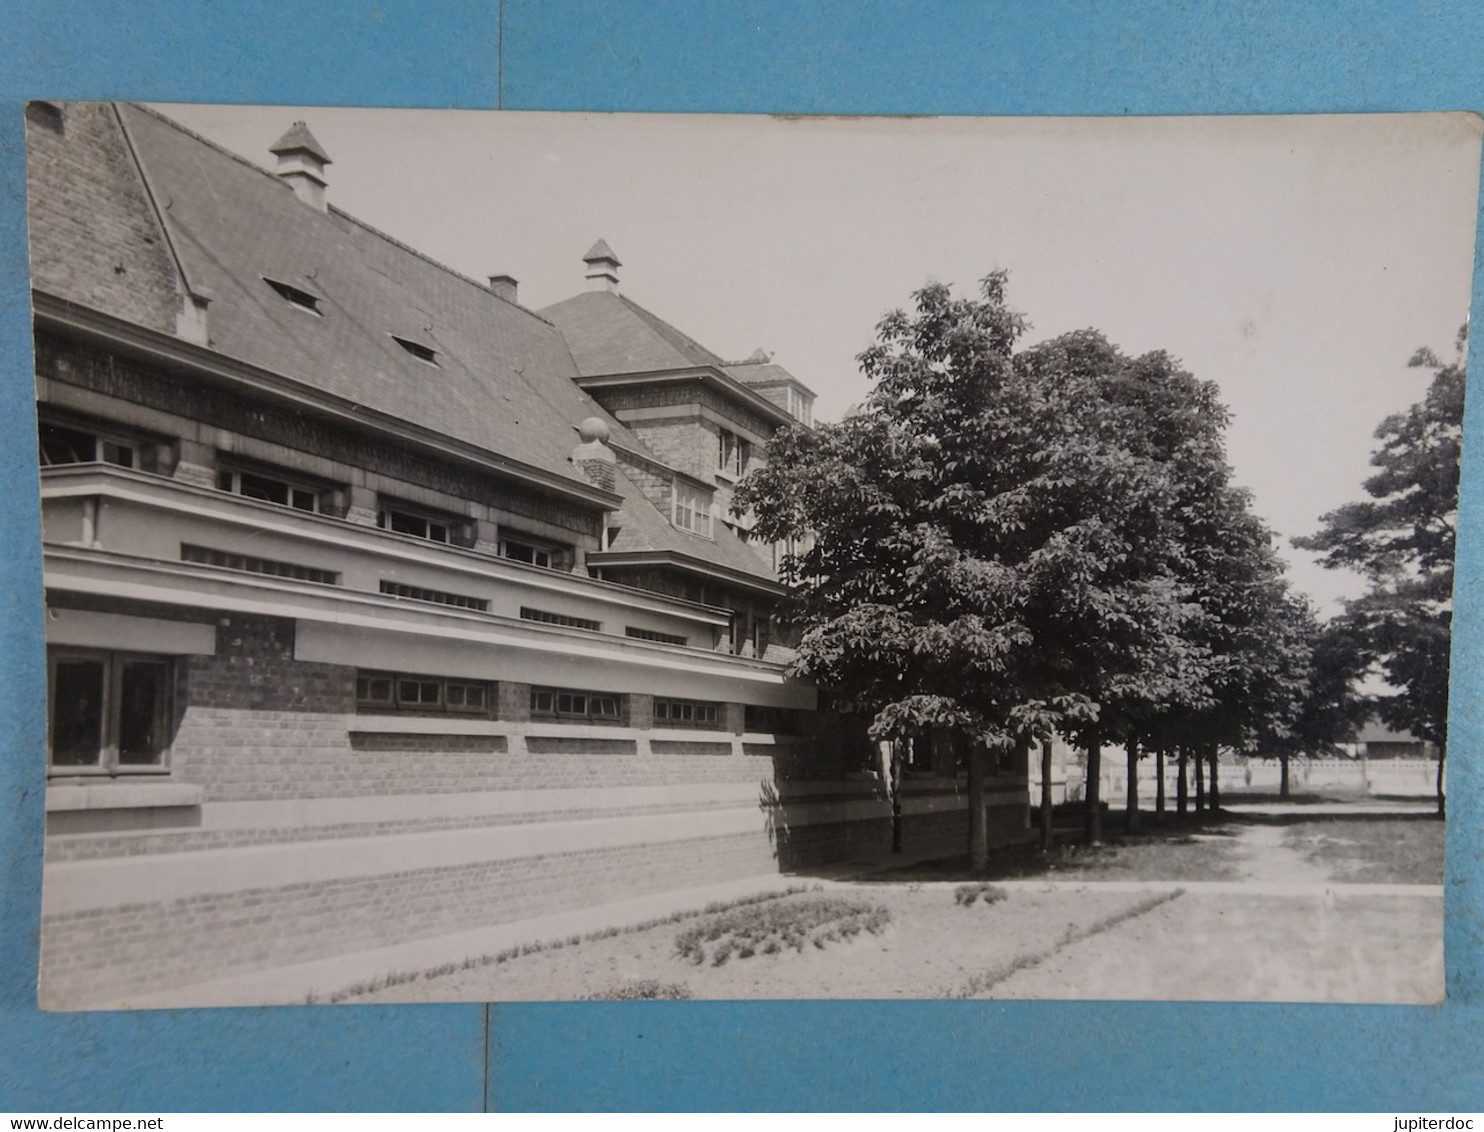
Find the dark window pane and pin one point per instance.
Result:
(303, 500)
(408, 524)
(77, 712)
(455, 695)
(67, 446)
(260, 487)
(120, 454)
(141, 712)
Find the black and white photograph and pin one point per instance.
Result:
(500, 556)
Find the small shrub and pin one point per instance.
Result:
(644, 990)
(768, 928)
(969, 894)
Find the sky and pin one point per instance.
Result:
(1298, 262)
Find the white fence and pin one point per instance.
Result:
(1405, 777)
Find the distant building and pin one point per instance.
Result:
(381, 607)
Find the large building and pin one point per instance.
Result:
(381, 608)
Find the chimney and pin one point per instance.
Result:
(593, 455)
(505, 286)
(602, 267)
(301, 163)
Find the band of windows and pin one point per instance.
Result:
(391, 691)
(686, 713)
(575, 705)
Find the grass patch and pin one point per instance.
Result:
(644, 990)
(978, 984)
(767, 929)
(968, 895)
(1363, 851)
(473, 962)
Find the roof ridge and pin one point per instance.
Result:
(336, 209)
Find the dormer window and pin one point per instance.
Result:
(296, 297)
(692, 509)
(419, 351)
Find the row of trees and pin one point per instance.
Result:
(1402, 541)
(1015, 543)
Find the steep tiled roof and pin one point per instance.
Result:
(762, 372)
(503, 375)
(644, 529)
(609, 333)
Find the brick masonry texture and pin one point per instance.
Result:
(254, 668)
(247, 755)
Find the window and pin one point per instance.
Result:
(652, 635)
(60, 444)
(526, 552)
(438, 597)
(425, 524)
(685, 713)
(692, 509)
(769, 720)
(422, 353)
(734, 454)
(574, 706)
(229, 560)
(296, 297)
(529, 614)
(110, 711)
(270, 489)
(393, 691)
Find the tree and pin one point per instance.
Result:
(988, 547)
(1402, 540)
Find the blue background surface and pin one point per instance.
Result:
(1058, 57)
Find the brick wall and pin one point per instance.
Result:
(254, 668)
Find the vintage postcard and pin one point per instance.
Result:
(499, 556)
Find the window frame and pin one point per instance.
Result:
(317, 492)
(556, 712)
(110, 725)
(537, 548)
(734, 453)
(144, 450)
(694, 503)
(458, 530)
(396, 703)
(670, 711)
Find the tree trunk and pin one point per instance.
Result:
(1131, 809)
(1048, 837)
(1442, 802)
(896, 795)
(1215, 804)
(1182, 784)
(1283, 775)
(1159, 786)
(1200, 782)
(1093, 818)
(978, 834)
